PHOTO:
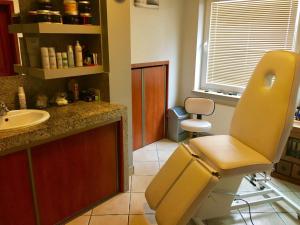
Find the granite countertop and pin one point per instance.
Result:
(63, 121)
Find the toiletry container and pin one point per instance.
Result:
(59, 60)
(74, 89)
(45, 57)
(70, 56)
(70, 7)
(45, 5)
(56, 17)
(78, 54)
(43, 16)
(71, 12)
(65, 60)
(84, 7)
(41, 101)
(22, 98)
(52, 58)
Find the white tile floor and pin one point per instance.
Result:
(131, 208)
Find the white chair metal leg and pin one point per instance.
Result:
(265, 187)
(284, 197)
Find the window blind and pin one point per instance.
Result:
(241, 31)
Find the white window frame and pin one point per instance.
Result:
(202, 50)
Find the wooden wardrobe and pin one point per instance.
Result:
(149, 102)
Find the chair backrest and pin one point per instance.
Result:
(199, 106)
(263, 117)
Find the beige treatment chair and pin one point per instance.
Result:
(200, 181)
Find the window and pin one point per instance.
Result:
(238, 33)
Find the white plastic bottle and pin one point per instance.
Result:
(70, 56)
(78, 54)
(45, 58)
(59, 60)
(65, 60)
(22, 98)
(52, 58)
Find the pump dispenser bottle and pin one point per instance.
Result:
(78, 54)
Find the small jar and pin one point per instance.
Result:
(32, 16)
(85, 18)
(70, 7)
(55, 17)
(43, 16)
(45, 5)
(84, 7)
(71, 19)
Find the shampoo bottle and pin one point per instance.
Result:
(64, 60)
(70, 56)
(52, 58)
(78, 54)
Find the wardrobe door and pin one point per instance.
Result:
(154, 83)
(137, 127)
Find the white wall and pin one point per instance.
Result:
(118, 16)
(223, 114)
(170, 33)
(156, 36)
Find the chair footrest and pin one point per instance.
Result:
(176, 191)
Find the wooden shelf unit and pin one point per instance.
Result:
(48, 74)
(289, 166)
(54, 28)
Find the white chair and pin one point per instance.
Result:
(201, 180)
(199, 107)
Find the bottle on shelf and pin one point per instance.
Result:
(70, 12)
(22, 98)
(73, 88)
(59, 60)
(70, 56)
(52, 58)
(45, 58)
(64, 60)
(78, 54)
(45, 5)
(70, 7)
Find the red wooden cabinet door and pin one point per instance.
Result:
(16, 201)
(8, 43)
(137, 128)
(75, 172)
(155, 91)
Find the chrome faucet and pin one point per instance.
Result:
(3, 109)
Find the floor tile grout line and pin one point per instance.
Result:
(275, 213)
(135, 161)
(282, 220)
(158, 157)
(121, 214)
(130, 195)
(90, 219)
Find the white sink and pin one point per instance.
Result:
(17, 119)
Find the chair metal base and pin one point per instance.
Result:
(265, 187)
